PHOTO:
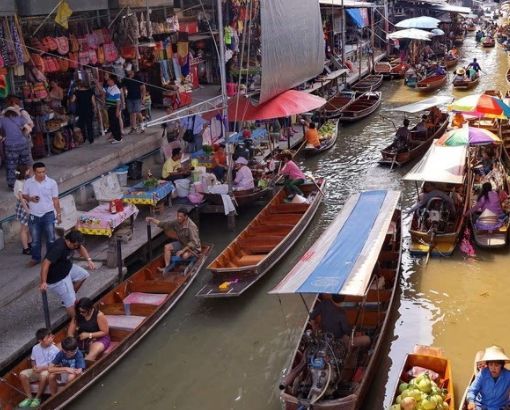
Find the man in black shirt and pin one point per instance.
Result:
(329, 316)
(60, 275)
(134, 90)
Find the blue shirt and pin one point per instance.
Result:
(198, 126)
(487, 393)
(112, 96)
(75, 362)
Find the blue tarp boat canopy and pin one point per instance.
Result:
(342, 260)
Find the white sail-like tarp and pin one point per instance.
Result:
(292, 45)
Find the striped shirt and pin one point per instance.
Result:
(112, 96)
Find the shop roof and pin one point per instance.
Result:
(346, 3)
(454, 9)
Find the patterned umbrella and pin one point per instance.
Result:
(482, 105)
(469, 135)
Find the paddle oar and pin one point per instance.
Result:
(310, 175)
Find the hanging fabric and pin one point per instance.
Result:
(63, 14)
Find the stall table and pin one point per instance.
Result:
(100, 221)
(140, 195)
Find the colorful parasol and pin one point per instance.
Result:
(468, 135)
(482, 105)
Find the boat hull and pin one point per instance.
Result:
(398, 159)
(153, 315)
(432, 359)
(370, 83)
(463, 403)
(311, 151)
(364, 105)
(430, 84)
(243, 198)
(389, 258)
(245, 274)
(466, 85)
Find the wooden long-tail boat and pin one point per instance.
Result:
(328, 133)
(243, 198)
(335, 105)
(419, 142)
(466, 84)
(489, 42)
(476, 368)
(471, 27)
(450, 62)
(369, 83)
(431, 83)
(390, 68)
(357, 257)
(262, 243)
(432, 359)
(364, 105)
(436, 227)
(132, 309)
(489, 231)
(459, 40)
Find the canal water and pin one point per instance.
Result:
(229, 354)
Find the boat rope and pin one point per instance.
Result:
(287, 327)
(4, 381)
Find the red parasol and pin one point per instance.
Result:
(288, 103)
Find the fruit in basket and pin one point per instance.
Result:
(421, 393)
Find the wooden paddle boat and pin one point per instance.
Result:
(369, 83)
(490, 231)
(466, 84)
(358, 258)
(132, 309)
(336, 104)
(242, 198)
(488, 42)
(262, 243)
(431, 360)
(450, 62)
(476, 370)
(390, 68)
(328, 133)
(431, 83)
(419, 142)
(437, 223)
(364, 105)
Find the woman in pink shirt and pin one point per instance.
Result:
(294, 176)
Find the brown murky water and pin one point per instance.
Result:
(229, 354)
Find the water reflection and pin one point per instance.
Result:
(229, 354)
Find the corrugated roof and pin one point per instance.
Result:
(346, 3)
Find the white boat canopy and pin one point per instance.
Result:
(342, 260)
(440, 164)
(424, 104)
(411, 33)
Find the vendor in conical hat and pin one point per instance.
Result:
(490, 388)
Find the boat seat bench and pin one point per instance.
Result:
(124, 322)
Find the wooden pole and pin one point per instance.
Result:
(46, 309)
(149, 242)
(119, 259)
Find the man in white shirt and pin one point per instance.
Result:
(41, 193)
(197, 124)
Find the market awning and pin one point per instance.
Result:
(453, 9)
(424, 104)
(346, 3)
(440, 164)
(288, 103)
(359, 16)
(342, 260)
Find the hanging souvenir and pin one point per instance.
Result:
(100, 55)
(18, 46)
(26, 54)
(63, 45)
(110, 52)
(74, 44)
(93, 57)
(38, 61)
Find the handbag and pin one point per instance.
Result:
(189, 136)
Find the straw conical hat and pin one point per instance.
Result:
(461, 71)
(494, 353)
